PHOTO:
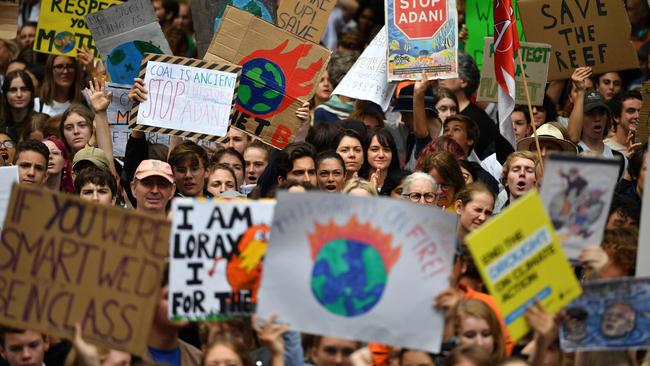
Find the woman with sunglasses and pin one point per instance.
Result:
(61, 85)
(17, 103)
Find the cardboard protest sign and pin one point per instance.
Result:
(65, 260)
(479, 18)
(577, 192)
(594, 33)
(521, 261)
(8, 19)
(306, 19)
(216, 248)
(187, 97)
(343, 265)
(367, 79)
(422, 37)
(611, 314)
(123, 34)
(207, 15)
(118, 116)
(280, 71)
(8, 176)
(535, 57)
(62, 28)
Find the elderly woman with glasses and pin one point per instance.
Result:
(420, 188)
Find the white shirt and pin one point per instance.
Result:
(51, 110)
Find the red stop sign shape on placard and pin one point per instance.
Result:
(419, 19)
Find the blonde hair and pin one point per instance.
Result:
(355, 183)
(524, 154)
(478, 309)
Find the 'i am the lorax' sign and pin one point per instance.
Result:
(420, 18)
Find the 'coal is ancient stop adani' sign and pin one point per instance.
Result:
(419, 19)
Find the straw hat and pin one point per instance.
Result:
(550, 132)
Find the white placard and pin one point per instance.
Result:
(186, 98)
(358, 268)
(216, 250)
(8, 176)
(367, 78)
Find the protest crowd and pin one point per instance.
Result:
(434, 144)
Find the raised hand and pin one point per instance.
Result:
(99, 99)
(270, 334)
(579, 76)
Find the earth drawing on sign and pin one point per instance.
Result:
(123, 63)
(351, 266)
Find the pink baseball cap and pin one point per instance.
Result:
(148, 168)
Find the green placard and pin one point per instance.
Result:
(479, 18)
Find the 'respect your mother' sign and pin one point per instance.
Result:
(344, 265)
(186, 97)
(64, 260)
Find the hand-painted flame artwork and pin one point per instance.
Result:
(265, 82)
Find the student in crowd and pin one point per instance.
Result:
(221, 178)
(331, 351)
(475, 323)
(76, 128)
(26, 35)
(17, 103)
(234, 160)
(59, 168)
(521, 122)
(32, 158)
(189, 162)
(609, 84)
(236, 139)
(474, 205)
(297, 162)
(96, 184)
(330, 171)
(23, 347)
(381, 157)
(7, 148)
(519, 176)
(61, 85)
(626, 109)
(256, 156)
(349, 146)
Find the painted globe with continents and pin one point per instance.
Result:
(255, 7)
(64, 42)
(349, 277)
(123, 63)
(262, 88)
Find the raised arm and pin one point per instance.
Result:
(575, 119)
(99, 100)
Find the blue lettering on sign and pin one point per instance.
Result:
(519, 311)
(519, 254)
